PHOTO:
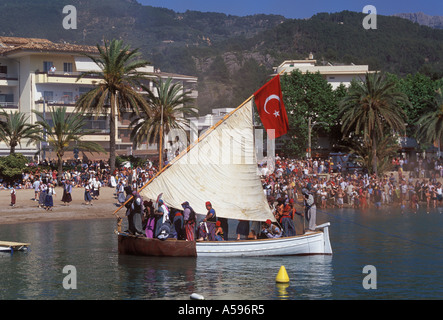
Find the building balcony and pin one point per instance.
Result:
(8, 79)
(9, 105)
(65, 78)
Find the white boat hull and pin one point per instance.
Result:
(311, 243)
(308, 244)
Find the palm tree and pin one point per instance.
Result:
(387, 148)
(169, 104)
(65, 132)
(371, 107)
(15, 127)
(431, 124)
(115, 92)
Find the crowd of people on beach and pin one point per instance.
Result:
(420, 185)
(91, 176)
(286, 183)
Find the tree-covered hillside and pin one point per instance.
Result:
(232, 56)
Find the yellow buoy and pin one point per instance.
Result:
(282, 275)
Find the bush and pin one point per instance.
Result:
(12, 166)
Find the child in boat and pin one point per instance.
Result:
(218, 231)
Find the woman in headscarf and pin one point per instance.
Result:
(161, 216)
(149, 219)
(120, 192)
(189, 221)
(67, 190)
(135, 214)
(50, 192)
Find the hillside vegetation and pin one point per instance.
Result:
(232, 56)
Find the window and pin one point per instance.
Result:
(6, 98)
(67, 67)
(48, 96)
(4, 69)
(47, 65)
(83, 90)
(67, 97)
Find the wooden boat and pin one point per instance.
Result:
(207, 171)
(311, 243)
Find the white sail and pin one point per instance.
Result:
(220, 167)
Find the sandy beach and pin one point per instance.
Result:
(26, 209)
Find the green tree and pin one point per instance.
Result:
(420, 90)
(115, 92)
(431, 124)
(14, 128)
(64, 132)
(371, 108)
(307, 96)
(168, 105)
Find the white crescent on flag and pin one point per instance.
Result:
(272, 96)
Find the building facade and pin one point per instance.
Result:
(36, 74)
(333, 74)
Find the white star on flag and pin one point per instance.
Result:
(276, 113)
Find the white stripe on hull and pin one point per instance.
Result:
(298, 245)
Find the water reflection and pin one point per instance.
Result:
(404, 247)
(156, 277)
(225, 278)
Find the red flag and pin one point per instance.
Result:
(270, 106)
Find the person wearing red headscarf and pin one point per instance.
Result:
(271, 230)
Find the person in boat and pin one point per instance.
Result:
(252, 235)
(242, 229)
(189, 221)
(178, 224)
(271, 230)
(310, 209)
(135, 214)
(224, 224)
(286, 219)
(206, 230)
(149, 223)
(161, 216)
(219, 231)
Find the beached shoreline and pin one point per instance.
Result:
(26, 209)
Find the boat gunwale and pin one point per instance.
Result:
(242, 241)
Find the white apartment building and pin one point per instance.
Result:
(334, 74)
(37, 73)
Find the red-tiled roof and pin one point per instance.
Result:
(13, 44)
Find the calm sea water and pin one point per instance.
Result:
(405, 248)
